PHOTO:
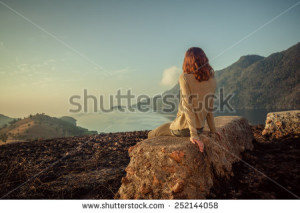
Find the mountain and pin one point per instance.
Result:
(4, 120)
(168, 105)
(69, 120)
(264, 83)
(41, 126)
(257, 82)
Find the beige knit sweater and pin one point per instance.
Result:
(192, 112)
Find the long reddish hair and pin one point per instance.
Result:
(196, 62)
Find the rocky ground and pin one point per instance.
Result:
(91, 167)
(275, 172)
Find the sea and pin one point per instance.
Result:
(117, 121)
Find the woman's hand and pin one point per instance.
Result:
(199, 143)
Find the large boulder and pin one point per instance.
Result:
(167, 167)
(279, 124)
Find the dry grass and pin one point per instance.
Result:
(92, 168)
(95, 165)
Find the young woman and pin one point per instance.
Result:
(197, 88)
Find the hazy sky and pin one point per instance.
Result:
(51, 50)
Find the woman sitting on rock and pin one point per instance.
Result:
(197, 88)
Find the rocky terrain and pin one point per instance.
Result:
(91, 167)
(277, 158)
(168, 167)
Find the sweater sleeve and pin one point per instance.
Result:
(188, 108)
(210, 117)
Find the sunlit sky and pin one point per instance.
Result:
(51, 50)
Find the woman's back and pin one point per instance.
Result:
(197, 89)
(196, 101)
